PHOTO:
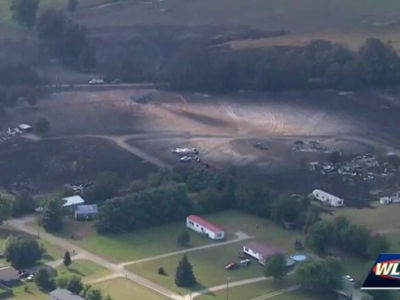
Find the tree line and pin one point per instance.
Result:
(170, 195)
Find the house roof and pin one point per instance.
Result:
(318, 193)
(199, 220)
(8, 274)
(73, 200)
(87, 209)
(24, 126)
(265, 250)
(62, 294)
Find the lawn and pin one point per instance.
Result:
(86, 269)
(33, 293)
(133, 245)
(249, 291)
(123, 289)
(382, 219)
(208, 264)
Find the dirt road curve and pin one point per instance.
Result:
(22, 224)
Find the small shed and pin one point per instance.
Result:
(25, 127)
(86, 212)
(261, 252)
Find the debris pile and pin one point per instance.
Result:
(311, 146)
(365, 167)
(186, 154)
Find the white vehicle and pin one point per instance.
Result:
(96, 81)
(245, 262)
(185, 151)
(186, 158)
(348, 277)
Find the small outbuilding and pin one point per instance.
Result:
(327, 198)
(86, 212)
(8, 275)
(261, 252)
(25, 127)
(73, 201)
(203, 226)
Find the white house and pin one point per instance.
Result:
(327, 198)
(198, 224)
(385, 200)
(261, 252)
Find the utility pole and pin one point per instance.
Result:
(227, 285)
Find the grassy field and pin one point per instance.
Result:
(379, 218)
(122, 289)
(209, 264)
(33, 292)
(133, 245)
(86, 269)
(249, 291)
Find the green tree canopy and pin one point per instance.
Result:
(184, 276)
(276, 266)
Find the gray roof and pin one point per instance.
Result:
(265, 250)
(62, 294)
(8, 274)
(87, 209)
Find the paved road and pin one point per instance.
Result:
(20, 224)
(240, 236)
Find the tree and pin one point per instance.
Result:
(43, 279)
(22, 252)
(50, 28)
(183, 238)
(23, 204)
(105, 187)
(320, 236)
(94, 294)
(42, 126)
(52, 215)
(72, 5)
(67, 259)
(377, 244)
(74, 284)
(24, 11)
(161, 271)
(276, 266)
(184, 276)
(318, 275)
(5, 209)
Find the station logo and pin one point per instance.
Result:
(385, 273)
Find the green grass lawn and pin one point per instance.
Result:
(133, 245)
(209, 264)
(123, 289)
(249, 291)
(86, 269)
(33, 292)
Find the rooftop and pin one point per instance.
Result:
(265, 250)
(73, 200)
(87, 209)
(199, 220)
(62, 294)
(8, 274)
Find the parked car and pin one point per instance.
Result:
(231, 266)
(245, 262)
(186, 158)
(96, 81)
(348, 277)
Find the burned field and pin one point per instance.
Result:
(47, 165)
